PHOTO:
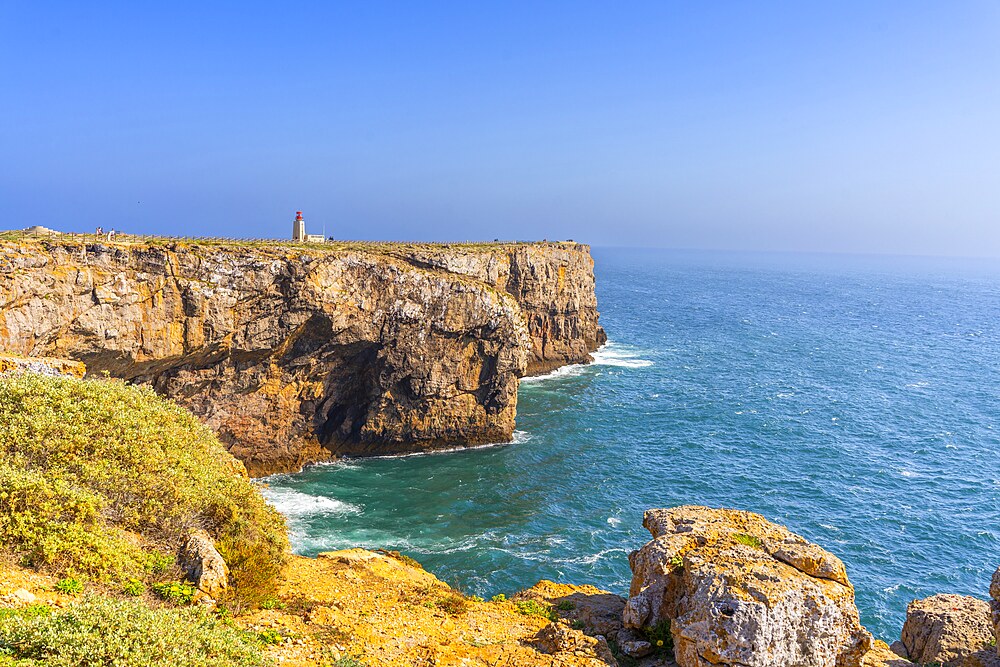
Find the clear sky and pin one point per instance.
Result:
(840, 126)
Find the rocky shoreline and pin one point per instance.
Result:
(712, 588)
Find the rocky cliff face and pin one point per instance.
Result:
(294, 354)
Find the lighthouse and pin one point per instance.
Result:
(299, 227)
(299, 231)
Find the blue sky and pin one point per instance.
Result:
(841, 127)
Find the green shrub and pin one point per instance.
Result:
(99, 479)
(105, 632)
(271, 602)
(499, 597)
(31, 611)
(47, 520)
(70, 586)
(660, 637)
(535, 608)
(134, 587)
(269, 637)
(565, 605)
(177, 592)
(158, 563)
(454, 604)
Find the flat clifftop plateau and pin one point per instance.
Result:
(296, 353)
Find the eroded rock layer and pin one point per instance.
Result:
(294, 354)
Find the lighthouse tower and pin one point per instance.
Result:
(299, 228)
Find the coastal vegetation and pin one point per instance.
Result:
(101, 481)
(106, 631)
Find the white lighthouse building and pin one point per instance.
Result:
(299, 231)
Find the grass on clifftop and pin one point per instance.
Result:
(101, 480)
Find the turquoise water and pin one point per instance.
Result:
(853, 399)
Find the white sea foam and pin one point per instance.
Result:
(614, 521)
(562, 372)
(609, 354)
(592, 558)
(293, 503)
(612, 354)
(518, 438)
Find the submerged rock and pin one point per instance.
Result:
(946, 628)
(737, 590)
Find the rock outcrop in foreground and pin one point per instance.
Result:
(737, 590)
(945, 629)
(294, 354)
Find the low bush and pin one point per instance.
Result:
(454, 604)
(69, 586)
(100, 480)
(134, 587)
(271, 602)
(535, 608)
(177, 592)
(660, 637)
(105, 632)
(269, 637)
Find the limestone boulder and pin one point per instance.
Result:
(946, 628)
(737, 590)
(204, 565)
(556, 638)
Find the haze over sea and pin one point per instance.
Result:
(853, 399)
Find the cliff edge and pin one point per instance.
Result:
(297, 353)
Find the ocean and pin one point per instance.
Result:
(853, 399)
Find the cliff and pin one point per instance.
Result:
(295, 353)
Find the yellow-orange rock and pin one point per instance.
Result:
(382, 610)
